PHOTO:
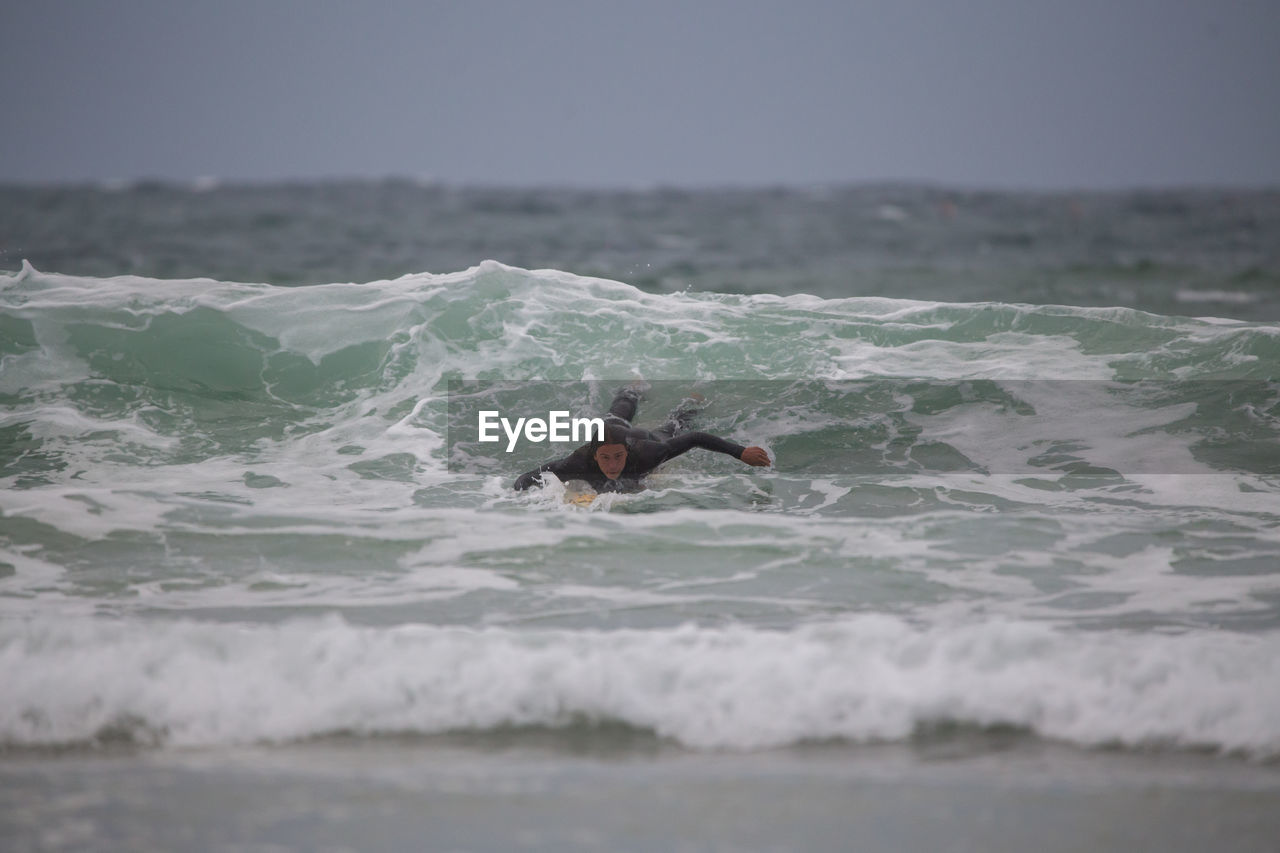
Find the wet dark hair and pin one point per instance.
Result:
(614, 433)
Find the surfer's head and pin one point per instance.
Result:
(610, 453)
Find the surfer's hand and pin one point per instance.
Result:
(756, 457)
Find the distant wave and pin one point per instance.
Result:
(495, 321)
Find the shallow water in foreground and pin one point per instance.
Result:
(550, 791)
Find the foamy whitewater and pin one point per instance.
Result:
(231, 516)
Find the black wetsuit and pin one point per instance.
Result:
(646, 449)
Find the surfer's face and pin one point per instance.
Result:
(611, 458)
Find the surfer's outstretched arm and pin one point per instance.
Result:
(685, 441)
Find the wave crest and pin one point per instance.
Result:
(869, 678)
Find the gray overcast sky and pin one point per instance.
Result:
(1001, 93)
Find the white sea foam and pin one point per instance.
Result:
(1004, 355)
(1097, 425)
(862, 678)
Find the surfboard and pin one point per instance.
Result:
(580, 499)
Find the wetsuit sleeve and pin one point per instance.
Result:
(529, 478)
(686, 441)
(565, 469)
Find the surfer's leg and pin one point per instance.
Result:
(681, 416)
(624, 405)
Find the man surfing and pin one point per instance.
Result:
(626, 454)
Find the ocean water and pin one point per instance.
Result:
(1015, 571)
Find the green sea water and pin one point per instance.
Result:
(1025, 482)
